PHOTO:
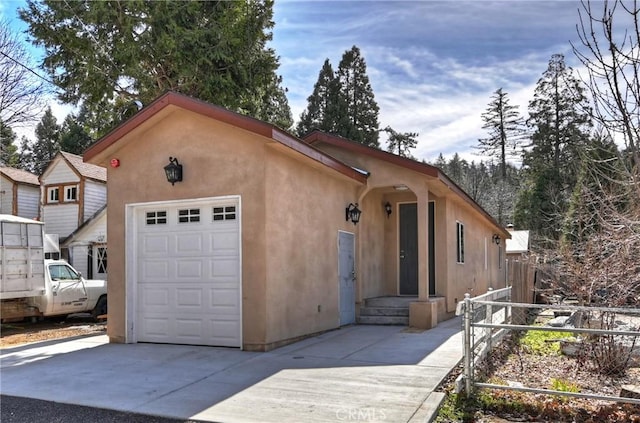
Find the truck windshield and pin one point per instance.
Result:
(61, 272)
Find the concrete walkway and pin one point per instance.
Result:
(357, 373)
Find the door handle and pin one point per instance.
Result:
(353, 275)
(401, 254)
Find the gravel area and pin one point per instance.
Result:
(20, 333)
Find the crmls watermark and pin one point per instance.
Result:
(360, 414)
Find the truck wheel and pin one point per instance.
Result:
(101, 308)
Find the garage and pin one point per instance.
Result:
(187, 263)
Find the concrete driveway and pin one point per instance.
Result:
(357, 373)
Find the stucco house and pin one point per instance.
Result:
(19, 193)
(225, 230)
(74, 197)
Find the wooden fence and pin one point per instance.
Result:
(521, 273)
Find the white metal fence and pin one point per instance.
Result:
(601, 341)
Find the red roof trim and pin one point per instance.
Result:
(317, 155)
(219, 113)
(424, 168)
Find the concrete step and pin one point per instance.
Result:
(389, 301)
(384, 311)
(384, 320)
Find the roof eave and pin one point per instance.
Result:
(424, 168)
(94, 152)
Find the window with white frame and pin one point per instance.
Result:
(53, 194)
(459, 242)
(71, 193)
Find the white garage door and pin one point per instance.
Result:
(188, 273)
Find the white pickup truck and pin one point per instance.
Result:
(31, 286)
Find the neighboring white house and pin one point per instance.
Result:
(74, 196)
(518, 245)
(19, 193)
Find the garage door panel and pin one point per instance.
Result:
(154, 244)
(223, 300)
(189, 328)
(154, 270)
(189, 243)
(189, 269)
(152, 297)
(189, 297)
(224, 267)
(188, 280)
(225, 242)
(155, 327)
(224, 331)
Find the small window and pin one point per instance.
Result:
(460, 242)
(71, 193)
(157, 217)
(188, 215)
(102, 260)
(53, 195)
(224, 213)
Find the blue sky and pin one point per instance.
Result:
(433, 65)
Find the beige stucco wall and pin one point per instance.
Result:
(378, 258)
(291, 207)
(472, 276)
(217, 160)
(305, 208)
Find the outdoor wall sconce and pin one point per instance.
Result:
(173, 171)
(387, 208)
(353, 213)
(496, 239)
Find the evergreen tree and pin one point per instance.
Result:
(357, 108)
(321, 104)
(483, 182)
(8, 149)
(560, 123)
(37, 155)
(401, 142)
(441, 162)
(598, 177)
(342, 102)
(73, 137)
(107, 54)
(505, 127)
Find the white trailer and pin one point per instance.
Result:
(21, 257)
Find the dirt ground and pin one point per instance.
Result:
(20, 333)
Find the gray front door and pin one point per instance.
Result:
(408, 249)
(347, 278)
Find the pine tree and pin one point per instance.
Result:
(559, 119)
(37, 155)
(357, 108)
(319, 114)
(106, 55)
(401, 142)
(506, 129)
(8, 149)
(342, 102)
(73, 137)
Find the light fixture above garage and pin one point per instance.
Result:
(496, 239)
(173, 171)
(387, 208)
(353, 213)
